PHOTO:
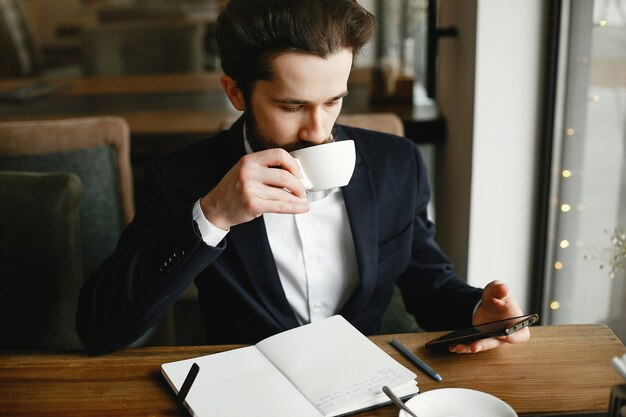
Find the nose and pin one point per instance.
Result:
(313, 129)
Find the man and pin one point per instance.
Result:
(230, 213)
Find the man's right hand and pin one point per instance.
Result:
(255, 186)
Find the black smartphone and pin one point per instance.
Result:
(483, 331)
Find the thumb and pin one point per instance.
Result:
(495, 295)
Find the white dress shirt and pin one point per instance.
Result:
(314, 253)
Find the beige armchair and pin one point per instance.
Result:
(380, 122)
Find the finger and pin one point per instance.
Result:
(272, 193)
(477, 346)
(282, 179)
(459, 349)
(495, 298)
(287, 176)
(519, 336)
(278, 157)
(486, 344)
(496, 290)
(283, 207)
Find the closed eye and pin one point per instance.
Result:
(292, 109)
(292, 105)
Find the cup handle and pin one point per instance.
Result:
(303, 178)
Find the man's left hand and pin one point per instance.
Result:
(496, 304)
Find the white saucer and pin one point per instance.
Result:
(458, 402)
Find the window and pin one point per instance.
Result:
(585, 277)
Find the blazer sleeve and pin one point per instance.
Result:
(157, 257)
(432, 292)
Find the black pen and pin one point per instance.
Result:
(417, 361)
(184, 389)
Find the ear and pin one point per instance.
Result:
(233, 92)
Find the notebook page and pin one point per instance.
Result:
(333, 364)
(238, 383)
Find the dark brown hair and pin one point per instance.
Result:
(251, 32)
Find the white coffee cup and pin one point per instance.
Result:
(326, 166)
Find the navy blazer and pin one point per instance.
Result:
(161, 252)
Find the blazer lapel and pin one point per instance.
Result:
(362, 208)
(250, 241)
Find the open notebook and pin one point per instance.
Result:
(327, 368)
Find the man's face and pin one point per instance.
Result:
(298, 108)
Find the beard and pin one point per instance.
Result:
(259, 141)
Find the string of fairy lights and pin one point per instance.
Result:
(568, 201)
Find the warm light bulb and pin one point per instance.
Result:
(565, 208)
(570, 131)
(558, 265)
(564, 244)
(602, 23)
(554, 305)
(566, 173)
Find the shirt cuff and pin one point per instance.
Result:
(476, 307)
(211, 234)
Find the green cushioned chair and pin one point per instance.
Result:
(40, 260)
(100, 215)
(396, 319)
(97, 150)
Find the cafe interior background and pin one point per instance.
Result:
(528, 100)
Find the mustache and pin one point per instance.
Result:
(301, 144)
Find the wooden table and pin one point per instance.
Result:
(167, 105)
(185, 105)
(562, 370)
